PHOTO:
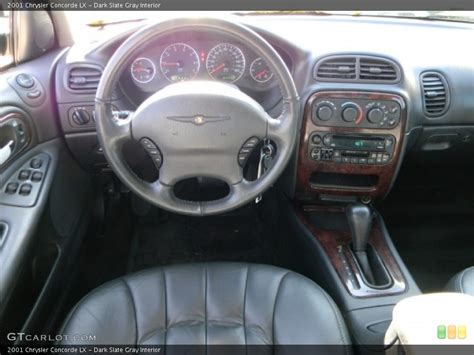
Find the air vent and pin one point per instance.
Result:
(435, 93)
(357, 68)
(377, 70)
(336, 68)
(84, 77)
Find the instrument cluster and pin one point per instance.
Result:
(180, 59)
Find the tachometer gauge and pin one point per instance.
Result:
(260, 71)
(179, 62)
(143, 70)
(225, 62)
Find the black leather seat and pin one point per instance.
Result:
(216, 303)
(462, 282)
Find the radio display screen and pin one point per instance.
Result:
(359, 143)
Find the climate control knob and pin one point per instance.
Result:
(375, 115)
(325, 112)
(351, 113)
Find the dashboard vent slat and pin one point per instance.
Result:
(377, 69)
(435, 93)
(84, 77)
(337, 68)
(357, 68)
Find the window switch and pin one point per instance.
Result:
(11, 188)
(37, 176)
(25, 189)
(24, 175)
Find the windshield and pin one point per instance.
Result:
(96, 24)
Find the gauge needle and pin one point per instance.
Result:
(216, 69)
(263, 72)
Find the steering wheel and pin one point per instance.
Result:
(197, 128)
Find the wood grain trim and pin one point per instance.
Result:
(336, 243)
(306, 166)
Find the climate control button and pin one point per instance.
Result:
(351, 113)
(325, 112)
(375, 115)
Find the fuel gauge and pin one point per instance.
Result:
(260, 71)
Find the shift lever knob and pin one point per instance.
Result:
(360, 221)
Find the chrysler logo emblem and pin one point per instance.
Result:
(198, 120)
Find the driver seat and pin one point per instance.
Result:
(208, 304)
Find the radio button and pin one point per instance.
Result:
(371, 161)
(346, 159)
(327, 139)
(316, 139)
(363, 161)
(316, 154)
(354, 160)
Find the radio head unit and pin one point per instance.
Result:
(351, 148)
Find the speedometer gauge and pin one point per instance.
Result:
(143, 70)
(225, 62)
(179, 62)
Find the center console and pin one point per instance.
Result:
(350, 145)
(349, 153)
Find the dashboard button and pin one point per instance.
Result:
(325, 112)
(327, 139)
(26, 81)
(375, 115)
(34, 94)
(80, 116)
(350, 114)
(316, 154)
(316, 139)
(251, 142)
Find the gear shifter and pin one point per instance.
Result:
(359, 217)
(360, 221)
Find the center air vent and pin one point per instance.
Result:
(336, 68)
(435, 93)
(84, 77)
(377, 70)
(357, 68)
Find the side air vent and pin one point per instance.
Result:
(435, 93)
(336, 68)
(357, 68)
(377, 70)
(84, 77)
